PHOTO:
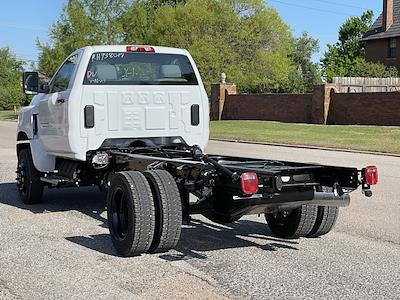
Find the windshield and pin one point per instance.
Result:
(121, 68)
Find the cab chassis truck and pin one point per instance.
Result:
(133, 120)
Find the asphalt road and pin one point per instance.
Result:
(61, 249)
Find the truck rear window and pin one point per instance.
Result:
(122, 68)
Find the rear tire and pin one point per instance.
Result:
(168, 210)
(30, 187)
(130, 213)
(297, 223)
(326, 220)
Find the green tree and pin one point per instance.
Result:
(347, 56)
(10, 80)
(361, 68)
(158, 3)
(245, 39)
(82, 23)
(307, 74)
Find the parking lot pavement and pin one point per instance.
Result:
(61, 249)
(7, 139)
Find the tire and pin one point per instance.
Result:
(298, 223)
(130, 213)
(168, 210)
(30, 187)
(326, 220)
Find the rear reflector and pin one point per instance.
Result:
(139, 49)
(371, 175)
(249, 183)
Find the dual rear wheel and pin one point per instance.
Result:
(144, 209)
(305, 221)
(144, 212)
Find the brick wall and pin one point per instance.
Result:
(219, 92)
(365, 109)
(291, 108)
(324, 106)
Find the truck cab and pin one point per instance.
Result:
(105, 96)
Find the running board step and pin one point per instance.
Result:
(57, 180)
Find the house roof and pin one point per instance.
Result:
(376, 30)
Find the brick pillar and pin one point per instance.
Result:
(219, 92)
(321, 101)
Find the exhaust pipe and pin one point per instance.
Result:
(330, 199)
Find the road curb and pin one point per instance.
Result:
(306, 147)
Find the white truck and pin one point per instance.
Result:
(133, 120)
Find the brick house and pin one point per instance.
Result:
(382, 41)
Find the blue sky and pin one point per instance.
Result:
(322, 18)
(22, 22)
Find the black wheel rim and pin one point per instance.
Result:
(21, 178)
(286, 218)
(119, 212)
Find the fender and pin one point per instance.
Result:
(26, 135)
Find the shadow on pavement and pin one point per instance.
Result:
(97, 242)
(203, 236)
(87, 200)
(196, 238)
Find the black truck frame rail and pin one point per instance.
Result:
(216, 181)
(219, 182)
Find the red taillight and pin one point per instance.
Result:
(371, 175)
(139, 49)
(249, 183)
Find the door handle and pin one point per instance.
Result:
(60, 101)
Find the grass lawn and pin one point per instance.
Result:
(8, 115)
(369, 138)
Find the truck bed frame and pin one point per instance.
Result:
(215, 180)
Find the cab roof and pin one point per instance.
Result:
(123, 48)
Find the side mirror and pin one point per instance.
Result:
(30, 83)
(34, 83)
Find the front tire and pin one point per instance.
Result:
(130, 213)
(294, 223)
(30, 187)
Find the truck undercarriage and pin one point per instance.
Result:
(216, 180)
